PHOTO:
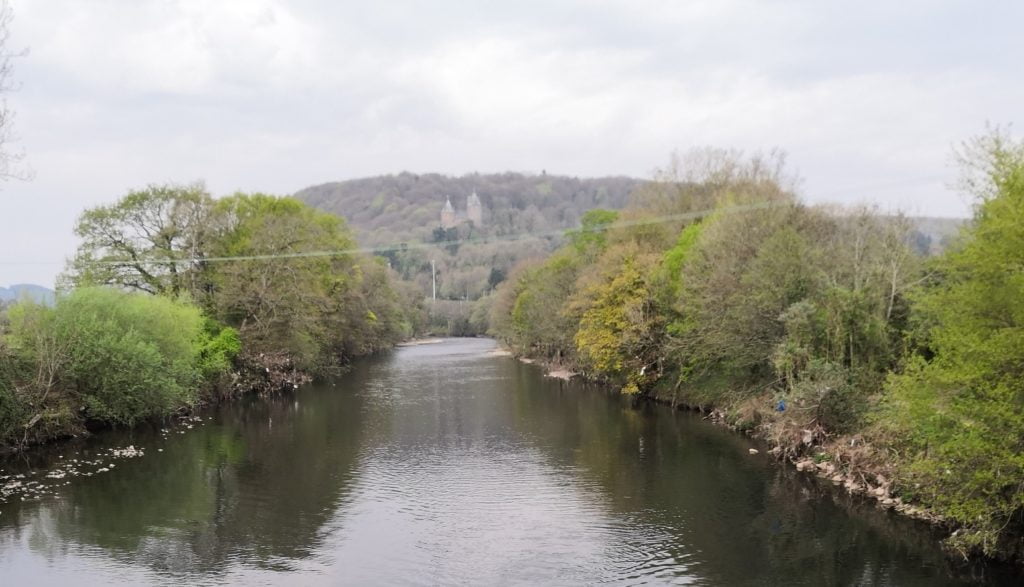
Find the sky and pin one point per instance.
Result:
(868, 99)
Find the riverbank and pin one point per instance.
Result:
(494, 475)
(261, 374)
(420, 341)
(845, 461)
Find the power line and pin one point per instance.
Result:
(511, 238)
(459, 242)
(524, 236)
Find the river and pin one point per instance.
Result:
(441, 464)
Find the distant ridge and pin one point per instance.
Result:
(36, 293)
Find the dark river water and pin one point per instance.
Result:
(442, 464)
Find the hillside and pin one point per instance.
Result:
(36, 293)
(406, 208)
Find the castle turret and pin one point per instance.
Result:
(448, 219)
(474, 211)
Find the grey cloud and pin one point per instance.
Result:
(868, 98)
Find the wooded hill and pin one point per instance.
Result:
(406, 208)
(390, 209)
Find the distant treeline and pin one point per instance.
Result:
(175, 298)
(824, 330)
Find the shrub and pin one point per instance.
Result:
(124, 357)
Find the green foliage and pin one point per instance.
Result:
(745, 269)
(619, 332)
(761, 296)
(124, 357)
(956, 412)
(540, 323)
(218, 350)
(590, 236)
(828, 395)
(13, 409)
(317, 309)
(674, 259)
(148, 241)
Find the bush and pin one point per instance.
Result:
(956, 412)
(218, 349)
(124, 357)
(831, 394)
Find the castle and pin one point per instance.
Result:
(474, 213)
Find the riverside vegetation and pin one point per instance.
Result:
(818, 329)
(157, 320)
(826, 331)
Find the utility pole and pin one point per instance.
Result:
(433, 276)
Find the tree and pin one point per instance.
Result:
(274, 294)
(9, 168)
(619, 335)
(152, 240)
(539, 325)
(955, 415)
(591, 233)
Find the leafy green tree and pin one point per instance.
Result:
(274, 292)
(620, 332)
(291, 284)
(956, 413)
(539, 324)
(152, 240)
(590, 236)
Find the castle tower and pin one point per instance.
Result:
(448, 214)
(474, 211)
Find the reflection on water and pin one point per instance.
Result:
(441, 464)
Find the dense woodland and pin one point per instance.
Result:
(824, 330)
(175, 298)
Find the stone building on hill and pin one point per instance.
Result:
(450, 217)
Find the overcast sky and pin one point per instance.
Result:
(868, 98)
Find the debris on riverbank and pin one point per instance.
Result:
(420, 341)
(265, 374)
(552, 370)
(560, 373)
